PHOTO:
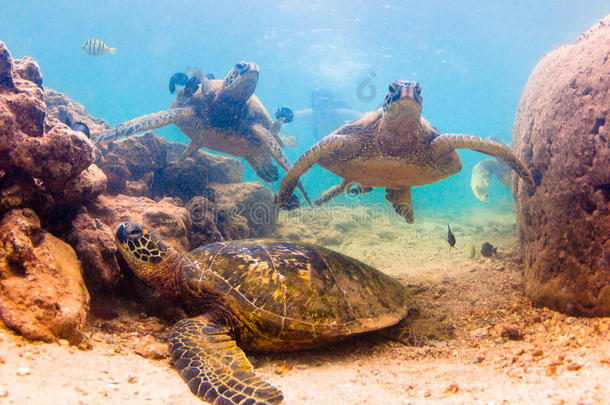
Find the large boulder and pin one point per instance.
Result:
(252, 201)
(42, 293)
(561, 132)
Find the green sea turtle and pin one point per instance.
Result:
(483, 171)
(392, 147)
(261, 295)
(222, 115)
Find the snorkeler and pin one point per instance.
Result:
(326, 114)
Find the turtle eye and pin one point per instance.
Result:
(240, 65)
(134, 233)
(391, 89)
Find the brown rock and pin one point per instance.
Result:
(93, 242)
(42, 293)
(142, 154)
(27, 68)
(512, 332)
(210, 224)
(252, 201)
(189, 177)
(30, 141)
(66, 110)
(169, 220)
(151, 349)
(87, 186)
(18, 190)
(6, 67)
(561, 133)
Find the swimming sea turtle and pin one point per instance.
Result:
(483, 171)
(261, 295)
(392, 147)
(222, 115)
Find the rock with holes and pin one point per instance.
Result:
(68, 111)
(561, 132)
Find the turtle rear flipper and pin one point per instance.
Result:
(445, 142)
(214, 368)
(146, 123)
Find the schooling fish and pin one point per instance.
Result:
(96, 47)
(450, 237)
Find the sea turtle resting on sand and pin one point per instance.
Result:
(222, 115)
(483, 171)
(392, 147)
(261, 295)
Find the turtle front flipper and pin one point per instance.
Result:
(277, 152)
(264, 167)
(401, 201)
(328, 145)
(445, 142)
(214, 368)
(146, 123)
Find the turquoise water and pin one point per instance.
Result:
(472, 59)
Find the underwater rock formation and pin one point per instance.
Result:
(93, 242)
(561, 133)
(66, 110)
(166, 218)
(42, 293)
(252, 201)
(37, 146)
(148, 165)
(212, 223)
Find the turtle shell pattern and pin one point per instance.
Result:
(294, 296)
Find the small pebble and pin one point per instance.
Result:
(513, 332)
(574, 366)
(480, 333)
(64, 342)
(452, 389)
(3, 393)
(132, 379)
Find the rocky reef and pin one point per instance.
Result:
(561, 133)
(61, 196)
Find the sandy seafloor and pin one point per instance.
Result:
(559, 360)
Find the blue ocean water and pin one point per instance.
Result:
(472, 59)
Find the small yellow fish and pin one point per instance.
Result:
(96, 47)
(289, 140)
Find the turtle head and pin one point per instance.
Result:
(142, 249)
(403, 101)
(240, 82)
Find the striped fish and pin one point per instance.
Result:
(96, 47)
(289, 140)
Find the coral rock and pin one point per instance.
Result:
(561, 133)
(6, 67)
(28, 69)
(42, 293)
(66, 110)
(95, 247)
(87, 186)
(166, 218)
(252, 201)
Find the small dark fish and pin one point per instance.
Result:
(285, 113)
(210, 76)
(96, 47)
(177, 79)
(488, 250)
(191, 86)
(450, 237)
(82, 127)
